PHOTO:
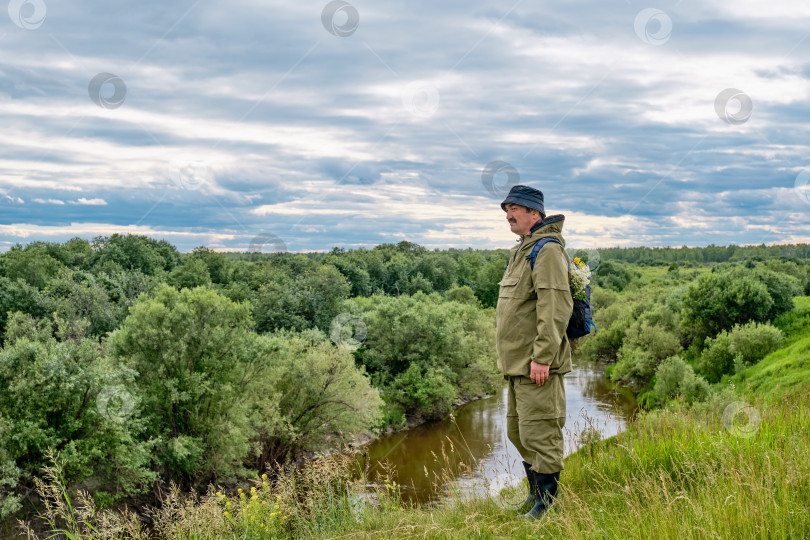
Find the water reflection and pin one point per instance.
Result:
(469, 454)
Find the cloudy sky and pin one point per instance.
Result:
(308, 125)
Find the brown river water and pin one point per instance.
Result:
(468, 454)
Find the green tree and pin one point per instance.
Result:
(463, 295)
(353, 269)
(193, 273)
(32, 264)
(311, 299)
(131, 252)
(219, 267)
(50, 400)
(194, 358)
(310, 396)
(18, 295)
(79, 304)
(719, 300)
(451, 343)
(425, 390)
(781, 287)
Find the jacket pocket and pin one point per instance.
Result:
(508, 287)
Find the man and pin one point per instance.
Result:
(534, 307)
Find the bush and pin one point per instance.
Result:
(719, 300)
(423, 391)
(643, 348)
(753, 342)
(794, 321)
(674, 377)
(743, 346)
(192, 353)
(50, 399)
(612, 322)
(603, 298)
(217, 397)
(308, 395)
(716, 359)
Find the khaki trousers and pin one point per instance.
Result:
(535, 416)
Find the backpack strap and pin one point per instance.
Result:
(537, 247)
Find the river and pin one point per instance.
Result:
(469, 454)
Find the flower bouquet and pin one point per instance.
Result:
(579, 277)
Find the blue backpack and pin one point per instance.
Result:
(581, 321)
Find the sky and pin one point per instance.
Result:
(304, 126)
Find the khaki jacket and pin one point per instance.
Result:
(534, 307)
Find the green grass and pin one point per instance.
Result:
(788, 368)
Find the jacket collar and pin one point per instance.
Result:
(557, 219)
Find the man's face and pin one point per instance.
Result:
(520, 218)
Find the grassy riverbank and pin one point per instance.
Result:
(681, 472)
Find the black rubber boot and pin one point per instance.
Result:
(527, 505)
(545, 489)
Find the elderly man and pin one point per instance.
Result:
(534, 307)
